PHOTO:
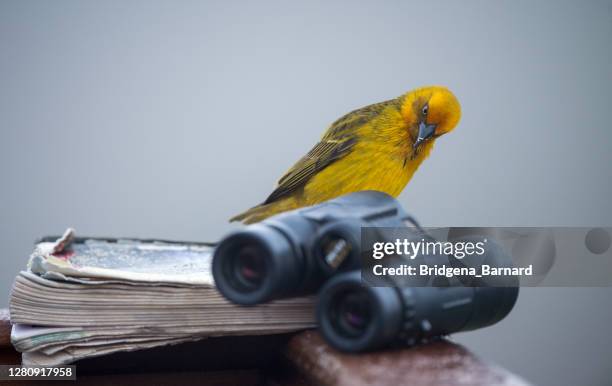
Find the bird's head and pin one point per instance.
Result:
(430, 112)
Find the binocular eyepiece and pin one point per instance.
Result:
(294, 253)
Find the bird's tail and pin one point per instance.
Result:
(263, 211)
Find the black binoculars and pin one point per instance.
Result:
(355, 315)
(294, 253)
(319, 248)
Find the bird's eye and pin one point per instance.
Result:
(425, 109)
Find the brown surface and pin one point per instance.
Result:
(8, 355)
(5, 328)
(439, 363)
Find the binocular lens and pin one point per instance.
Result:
(355, 317)
(249, 267)
(254, 265)
(352, 313)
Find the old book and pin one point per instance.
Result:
(87, 297)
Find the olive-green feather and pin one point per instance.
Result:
(337, 142)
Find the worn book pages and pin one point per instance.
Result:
(88, 297)
(123, 259)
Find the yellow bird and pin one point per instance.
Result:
(377, 147)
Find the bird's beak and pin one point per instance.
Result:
(426, 131)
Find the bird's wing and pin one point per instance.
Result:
(337, 142)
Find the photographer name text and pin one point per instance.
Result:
(447, 271)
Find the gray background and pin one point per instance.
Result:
(163, 119)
